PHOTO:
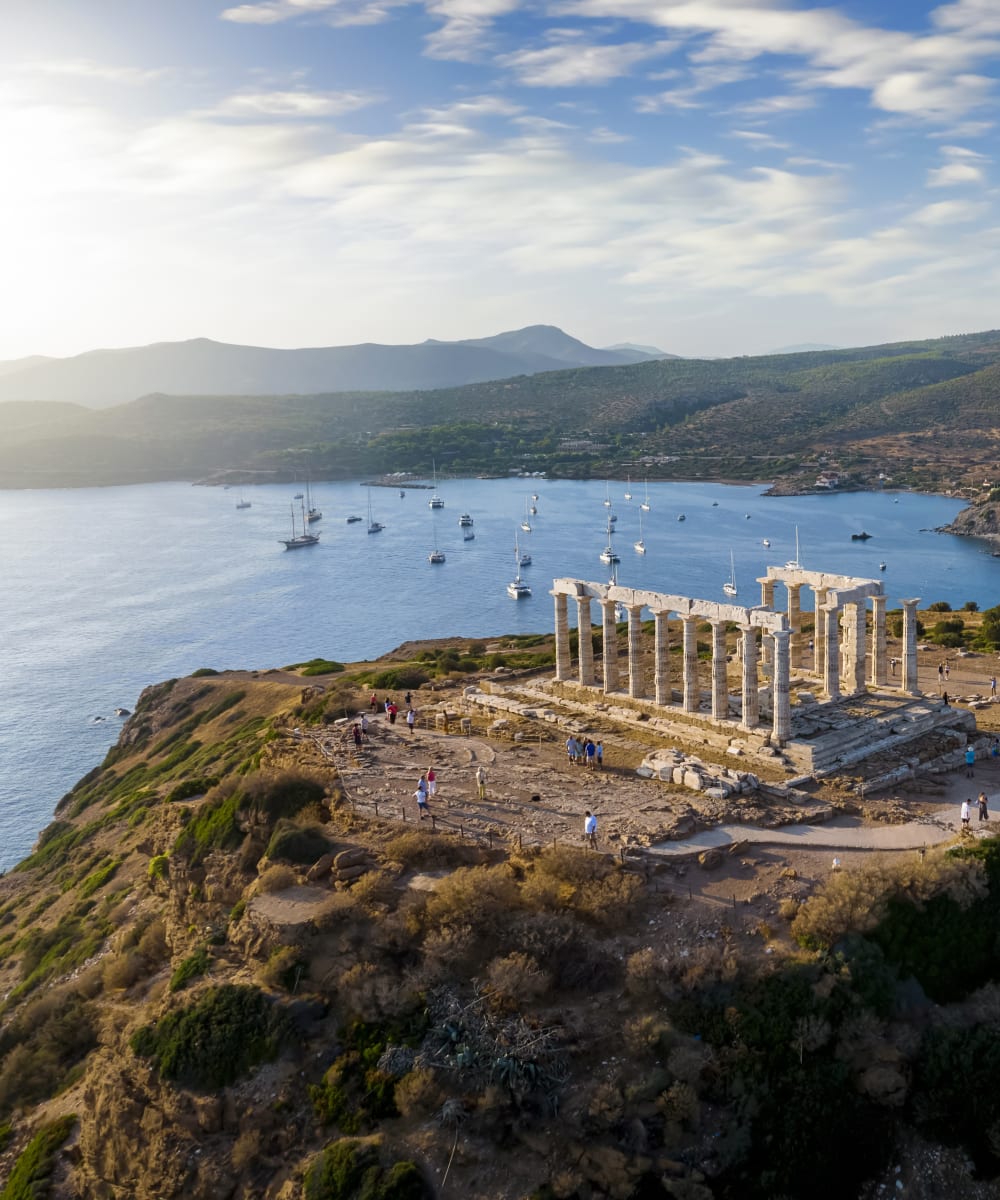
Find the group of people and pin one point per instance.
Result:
(585, 751)
(984, 810)
(392, 711)
(426, 789)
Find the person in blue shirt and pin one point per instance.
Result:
(970, 761)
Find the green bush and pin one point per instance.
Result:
(320, 666)
(203, 671)
(939, 606)
(284, 794)
(192, 967)
(159, 867)
(297, 843)
(349, 1170)
(99, 878)
(399, 679)
(32, 1173)
(192, 787)
(216, 1040)
(214, 827)
(41, 1045)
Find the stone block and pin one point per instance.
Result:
(717, 793)
(320, 868)
(693, 781)
(349, 858)
(644, 772)
(666, 774)
(678, 775)
(711, 858)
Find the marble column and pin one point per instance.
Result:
(636, 678)
(782, 705)
(610, 646)
(661, 652)
(564, 660)
(585, 633)
(859, 636)
(877, 669)
(767, 600)
(795, 623)
(692, 692)
(751, 700)
(828, 637)
(910, 683)
(819, 637)
(720, 688)
(848, 646)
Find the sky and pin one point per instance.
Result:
(712, 177)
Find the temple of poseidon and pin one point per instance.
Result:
(816, 704)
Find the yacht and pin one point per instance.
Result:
(517, 589)
(794, 564)
(607, 495)
(435, 501)
(628, 487)
(526, 524)
(681, 517)
(312, 512)
(645, 504)
(640, 546)
(608, 554)
(298, 540)
(465, 520)
(373, 525)
(729, 587)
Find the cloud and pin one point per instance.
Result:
(979, 18)
(962, 166)
(464, 34)
(772, 106)
(950, 212)
(333, 12)
(292, 104)
(757, 141)
(576, 65)
(84, 68)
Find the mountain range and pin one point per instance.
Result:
(105, 378)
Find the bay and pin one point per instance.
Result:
(106, 590)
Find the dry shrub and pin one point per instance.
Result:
(707, 966)
(123, 970)
(447, 952)
(280, 969)
(479, 897)
(337, 912)
(374, 889)
(680, 1103)
(647, 1035)
(368, 994)
(246, 1149)
(420, 848)
(418, 1093)
(517, 980)
(645, 976)
(611, 902)
(572, 864)
(855, 901)
(546, 893)
(121, 912)
(277, 878)
(153, 941)
(788, 909)
(607, 1105)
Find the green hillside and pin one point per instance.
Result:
(739, 417)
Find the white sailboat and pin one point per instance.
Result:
(628, 487)
(794, 564)
(640, 545)
(436, 555)
(373, 525)
(435, 501)
(729, 587)
(526, 524)
(241, 503)
(645, 504)
(608, 554)
(298, 540)
(607, 494)
(517, 589)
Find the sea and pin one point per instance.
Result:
(106, 590)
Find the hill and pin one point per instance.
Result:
(105, 378)
(922, 413)
(236, 965)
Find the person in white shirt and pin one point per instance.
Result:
(590, 829)
(965, 814)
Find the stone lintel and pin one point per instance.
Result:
(683, 606)
(823, 579)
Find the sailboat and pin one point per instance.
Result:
(608, 554)
(607, 494)
(436, 555)
(241, 503)
(526, 524)
(628, 487)
(297, 540)
(729, 587)
(522, 556)
(640, 545)
(517, 589)
(645, 504)
(373, 525)
(794, 564)
(312, 513)
(435, 501)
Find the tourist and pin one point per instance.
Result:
(373, 703)
(993, 685)
(481, 781)
(589, 752)
(392, 710)
(571, 748)
(944, 699)
(947, 670)
(600, 755)
(432, 784)
(421, 796)
(356, 733)
(409, 700)
(965, 814)
(940, 674)
(995, 748)
(590, 829)
(411, 719)
(970, 761)
(892, 665)
(364, 725)
(836, 864)
(388, 704)
(984, 811)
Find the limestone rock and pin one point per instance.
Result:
(711, 858)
